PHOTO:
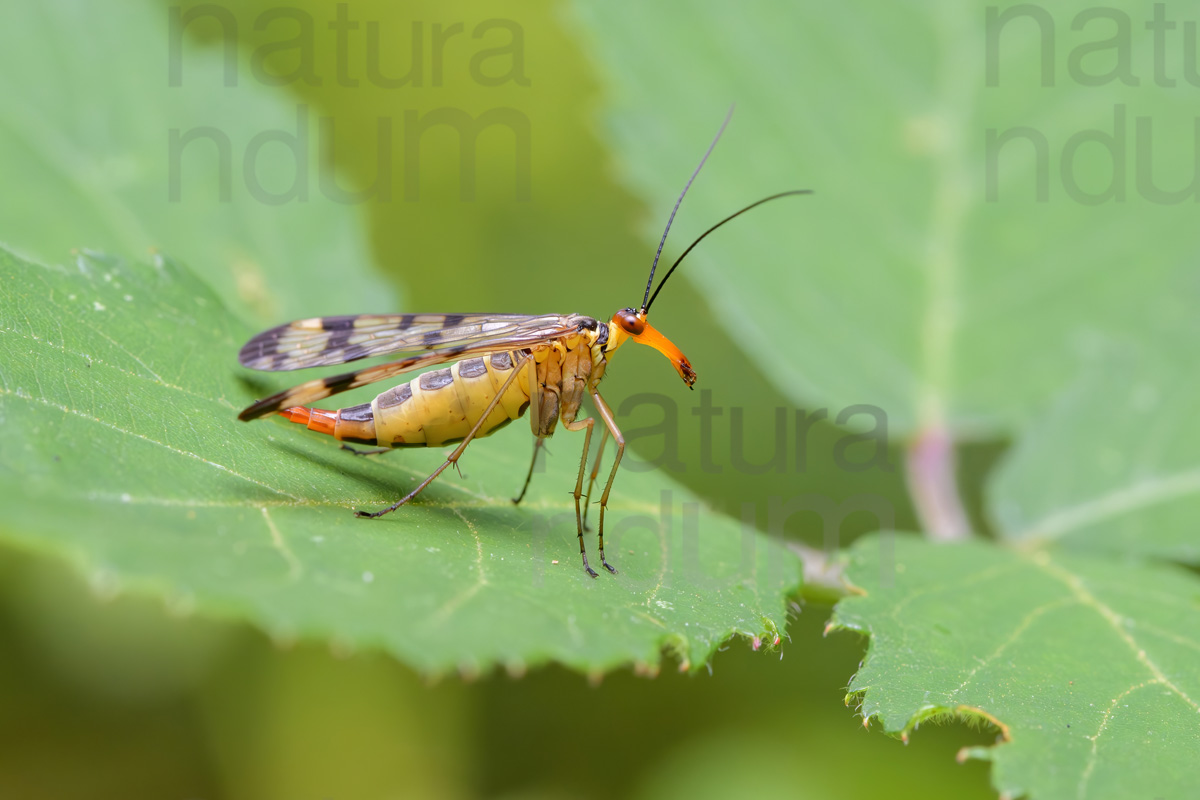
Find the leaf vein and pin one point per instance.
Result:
(1072, 582)
(176, 450)
(1021, 627)
(457, 601)
(295, 568)
(158, 381)
(1114, 504)
(1093, 755)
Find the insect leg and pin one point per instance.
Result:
(606, 414)
(374, 451)
(458, 451)
(585, 425)
(537, 445)
(595, 472)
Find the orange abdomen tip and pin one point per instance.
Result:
(296, 414)
(315, 419)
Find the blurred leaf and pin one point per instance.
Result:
(1086, 664)
(1072, 636)
(911, 280)
(119, 392)
(101, 686)
(730, 764)
(690, 728)
(87, 131)
(305, 724)
(126, 652)
(1114, 466)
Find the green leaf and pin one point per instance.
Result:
(87, 130)
(1068, 634)
(119, 391)
(1087, 665)
(902, 282)
(1113, 466)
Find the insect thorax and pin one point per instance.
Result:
(567, 370)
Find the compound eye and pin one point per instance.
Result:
(630, 322)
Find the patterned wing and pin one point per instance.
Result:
(322, 341)
(483, 334)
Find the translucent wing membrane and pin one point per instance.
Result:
(322, 341)
(429, 338)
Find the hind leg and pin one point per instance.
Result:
(537, 445)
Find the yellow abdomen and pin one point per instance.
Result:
(442, 406)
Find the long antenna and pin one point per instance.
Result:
(661, 242)
(646, 307)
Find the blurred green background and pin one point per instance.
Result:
(121, 697)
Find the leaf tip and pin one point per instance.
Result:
(643, 669)
(469, 670)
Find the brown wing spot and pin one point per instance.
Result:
(453, 320)
(472, 368)
(339, 338)
(439, 378)
(257, 348)
(394, 397)
(261, 346)
(277, 360)
(339, 383)
(340, 323)
(502, 361)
